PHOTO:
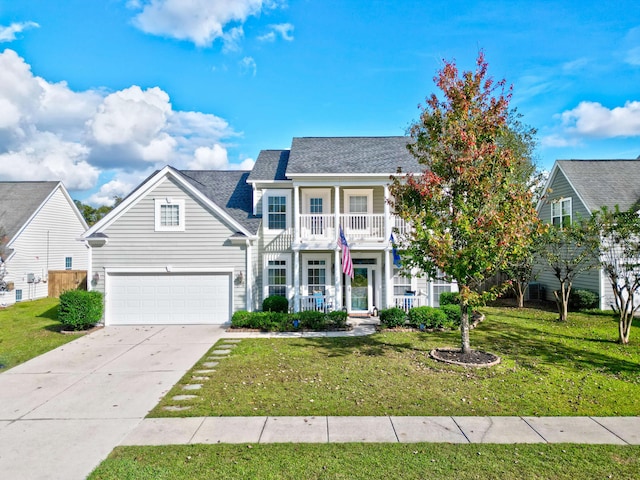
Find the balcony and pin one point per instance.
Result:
(357, 227)
(407, 302)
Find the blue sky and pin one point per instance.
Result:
(100, 93)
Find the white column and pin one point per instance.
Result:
(296, 215)
(388, 224)
(388, 278)
(296, 281)
(337, 279)
(249, 278)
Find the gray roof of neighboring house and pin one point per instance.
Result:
(19, 201)
(351, 155)
(270, 165)
(605, 182)
(230, 191)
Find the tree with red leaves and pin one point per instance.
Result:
(471, 206)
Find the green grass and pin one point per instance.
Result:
(371, 461)
(547, 368)
(29, 329)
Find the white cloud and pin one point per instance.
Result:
(232, 39)
(556, 140)
(248, 64)
(285, 30)
(122, 184)
(198, 21)
(50, 132)
(591, 119)
(630, 43)
(8, 34)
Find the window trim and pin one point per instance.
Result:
(265, 274)
(328, 287)
(159, 202)
(557, 204)
(265, 209)
(358, 192)
(68, 265)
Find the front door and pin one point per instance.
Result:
(360, 289)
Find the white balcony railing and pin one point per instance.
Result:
(407, 302)
(358, 226)
(318, 303)
(317, 227)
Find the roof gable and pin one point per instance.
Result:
(604, 182)
(271, 165)
(19, 201)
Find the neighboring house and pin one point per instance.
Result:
(41, 228)
(576, 189)
(196, 246)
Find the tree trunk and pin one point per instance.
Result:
(626, 318)
(520, 294)
(464, 327)
(562, 301)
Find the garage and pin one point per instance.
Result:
(167, 298)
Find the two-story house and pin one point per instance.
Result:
(575, 190)
(193, 247)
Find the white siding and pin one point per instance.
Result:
(205, 243)
(49, 237)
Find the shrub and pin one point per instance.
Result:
(392, 317)
(430, 317)
(337, 319)
(80, 309)
(449, 298)
(242, 319)
(312, 320)
(583, 300)
(453, 315)
(275, 303)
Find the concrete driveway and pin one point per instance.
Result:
(63, 412)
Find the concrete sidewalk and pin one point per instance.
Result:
(213, 430)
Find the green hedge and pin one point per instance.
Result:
(284, 322)
(583, 300)
(452, 312)
(79, 309)
(430, 317)
(449, 298)
(275, 303)
(392, 317)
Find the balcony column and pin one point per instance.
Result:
(296, 214)
(387, 214)
(296, 281)
(388, 277)
(249, 277)
(338, 271)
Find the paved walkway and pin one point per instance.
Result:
(62, 413)
(591, 430)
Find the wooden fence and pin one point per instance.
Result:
(62, 280)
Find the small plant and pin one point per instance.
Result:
(392, 317)
(453, 315)
(79, 309)
(430, 317)
(275, 303)
(449, 298)
(583, 300)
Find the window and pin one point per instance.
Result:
(68, 263)
(316, 276)
(561, 212)
(358, 203)
(170, 215)
(277, 278)
(18, 295)
(401, 284)
(277, 213)
(315, 205)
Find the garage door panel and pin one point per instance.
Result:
(172, 298)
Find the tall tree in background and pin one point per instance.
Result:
(469, 205)
(620, 259)
(91, 214)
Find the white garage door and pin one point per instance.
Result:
(167, 298)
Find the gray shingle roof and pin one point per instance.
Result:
(230, 191)
(18, 201)
(351, 155)
(270, 165)
(605, 182)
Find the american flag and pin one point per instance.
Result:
(347, 263)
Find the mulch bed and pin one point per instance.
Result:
(475, 358)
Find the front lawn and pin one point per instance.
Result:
(547, 368)
(29, 329)
(367, 461)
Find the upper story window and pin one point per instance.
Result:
(170, 215)
(561, 212)
(277, 209)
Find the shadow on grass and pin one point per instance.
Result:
(51, 314)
